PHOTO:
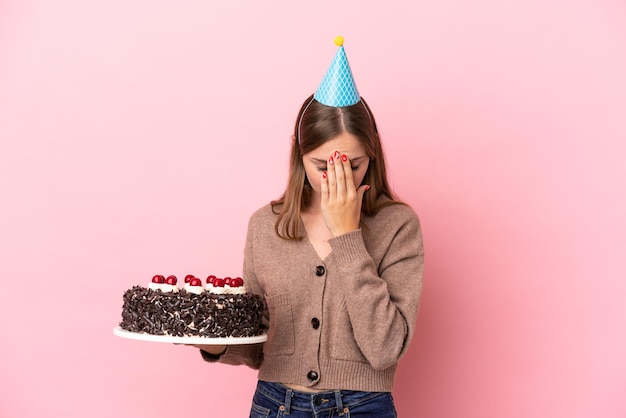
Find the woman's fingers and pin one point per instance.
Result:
(331, 173)
(337, 181)
(350, 189)
(340, 177)
(324, 187)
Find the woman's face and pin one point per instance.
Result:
(315, 161)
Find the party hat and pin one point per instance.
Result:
(337, 88)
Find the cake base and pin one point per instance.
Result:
(188, 340)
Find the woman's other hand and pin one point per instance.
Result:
(216, 350)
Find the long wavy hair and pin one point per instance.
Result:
(315, 125)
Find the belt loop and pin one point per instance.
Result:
(339, 402)
(288, 397)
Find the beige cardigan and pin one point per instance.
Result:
(338, 323)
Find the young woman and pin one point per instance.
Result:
(339, 261)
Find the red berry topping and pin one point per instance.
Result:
(188, 278)
(227, 280)
(195, 282)
(158, 279)
(210, 279)
(236, 282)
(218, 282)
(171, 280)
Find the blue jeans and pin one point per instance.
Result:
(275, 400)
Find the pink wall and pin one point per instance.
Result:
(137, 137)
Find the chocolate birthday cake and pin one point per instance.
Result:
(220, 309)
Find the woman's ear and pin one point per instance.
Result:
(293, 139)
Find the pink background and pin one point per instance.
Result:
(138, 136)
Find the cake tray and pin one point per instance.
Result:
(142, 336)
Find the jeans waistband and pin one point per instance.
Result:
(316, 402)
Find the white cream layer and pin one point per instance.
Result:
(169, 288)
(154, 286)
(225, 290)
(194, 289)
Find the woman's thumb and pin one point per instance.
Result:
(361, 191)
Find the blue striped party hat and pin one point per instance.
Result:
(337, 88)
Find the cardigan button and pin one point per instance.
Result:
(315, 323)
(320, 270)
(312, 376)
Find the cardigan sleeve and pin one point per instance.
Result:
(250, 355)
(382, 299)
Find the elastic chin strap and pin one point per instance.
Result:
(301, 116)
